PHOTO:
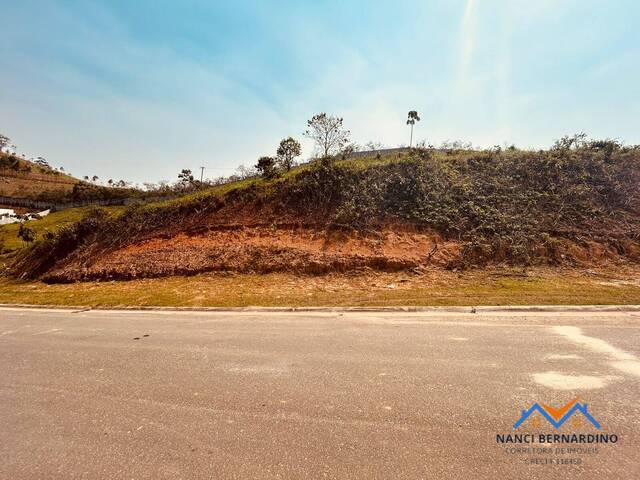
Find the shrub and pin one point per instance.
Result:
(26, 234)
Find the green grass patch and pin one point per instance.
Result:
(9, 241)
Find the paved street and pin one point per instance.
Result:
(133, 395)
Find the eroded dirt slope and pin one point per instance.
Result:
(267, 249)
(298, 250)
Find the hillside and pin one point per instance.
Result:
(11, 243)
(20, 178)
(410, 211)
(23, 179)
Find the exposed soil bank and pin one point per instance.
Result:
(297, 250)
(265, 250)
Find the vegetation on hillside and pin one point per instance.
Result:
(515, 206)
(10, 240)
(21, 178)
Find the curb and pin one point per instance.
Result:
(407, 309)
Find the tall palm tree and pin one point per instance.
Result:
(412, 118)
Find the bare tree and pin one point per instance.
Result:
(412, 118)
(4, 142)
(288, 150)
(569, 142)
(373, 146)
(246, 172)
(41, 161)
(328, 133)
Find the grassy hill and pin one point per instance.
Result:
(425, 208)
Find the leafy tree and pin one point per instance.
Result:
(328, 133)
(26, 234)
(412, 118)
(10, 161)
(185, 177)
(267, 167)
(94, 178)
(288, 150)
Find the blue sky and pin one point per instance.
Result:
(140, 89)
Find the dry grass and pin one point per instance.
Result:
(438, 288)
(28, 183)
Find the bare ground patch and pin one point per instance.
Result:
(266, 250)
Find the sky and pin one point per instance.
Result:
(141, 89)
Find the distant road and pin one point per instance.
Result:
(134, 395)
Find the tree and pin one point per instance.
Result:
(185, 177)
(26, 234)
(41, 161)
(567, 142)
(267, 167)
(246, 172)
(328, 133)
(94, 179)
(4, 142)
(373, 146)
(412, 118)
(288, 150)
(85, 178)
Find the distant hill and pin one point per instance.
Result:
(424, 208)
(22, 178)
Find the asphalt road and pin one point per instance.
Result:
(132, 395)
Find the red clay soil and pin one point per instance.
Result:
(263, 249)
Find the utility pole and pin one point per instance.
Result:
(201, 173)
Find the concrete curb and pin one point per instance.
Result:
(407, 309)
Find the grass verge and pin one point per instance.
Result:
(437, 288)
